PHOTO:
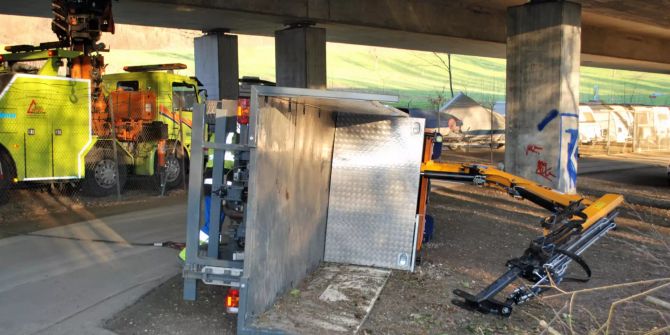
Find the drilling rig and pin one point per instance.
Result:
(79, 24)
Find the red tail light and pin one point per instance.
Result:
(232, 300)
(243, 111)
(52, 53)
(2, 58)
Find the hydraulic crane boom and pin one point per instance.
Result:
(79, 24)
(575, 223)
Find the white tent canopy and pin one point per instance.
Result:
(471, 121)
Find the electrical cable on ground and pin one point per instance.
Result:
(165, 244)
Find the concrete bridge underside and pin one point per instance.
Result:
(631, 34)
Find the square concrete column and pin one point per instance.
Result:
(216, 65)
(542, 110)
(300, 57)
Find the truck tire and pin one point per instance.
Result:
(8, 173)
(101, 170)
(175, 164)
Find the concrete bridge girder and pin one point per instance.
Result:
(627, 35)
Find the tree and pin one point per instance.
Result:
(438, 61)
(447, 66)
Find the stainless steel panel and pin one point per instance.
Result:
(374, 191)
(288, 198)
(292, 132)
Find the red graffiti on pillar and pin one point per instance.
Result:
(544, 170)
(532, 148)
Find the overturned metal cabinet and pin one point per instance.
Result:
(332, 177)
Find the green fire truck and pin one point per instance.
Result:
(50, 132)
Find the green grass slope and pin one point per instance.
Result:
(416, 77)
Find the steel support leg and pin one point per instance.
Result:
(190, 289)
(194, 196)
(217, 181)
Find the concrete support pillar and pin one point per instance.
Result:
(216, 65)
(300, 57)
(543, 50)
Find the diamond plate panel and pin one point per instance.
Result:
(374, 191)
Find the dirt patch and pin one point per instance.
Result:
(477, 230)
(163, 311)
(335, 299)
(647, 187)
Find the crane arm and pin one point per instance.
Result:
(575, 223)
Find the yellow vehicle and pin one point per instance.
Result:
(152, 109)
(45, 132)
(64, 120)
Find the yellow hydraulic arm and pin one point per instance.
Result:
(552, 200)
(574, 225)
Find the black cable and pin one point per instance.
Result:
(165, 244)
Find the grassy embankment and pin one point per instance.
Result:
(412, 75)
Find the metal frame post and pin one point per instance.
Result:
(220, 133)
(195, 266)
(115, 152)
(609, 131)
(194, 196)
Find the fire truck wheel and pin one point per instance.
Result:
(7, 173)
(101, 172)
(174, 169)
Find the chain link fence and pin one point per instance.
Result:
(615, 129)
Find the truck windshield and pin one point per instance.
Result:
(128, 85)
(184, 96)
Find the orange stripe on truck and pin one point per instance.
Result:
(175, 117)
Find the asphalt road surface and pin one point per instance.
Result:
(55, 283)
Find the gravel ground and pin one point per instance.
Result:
(163, 311)
(477, 230)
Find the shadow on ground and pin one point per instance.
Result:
(163, 311)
